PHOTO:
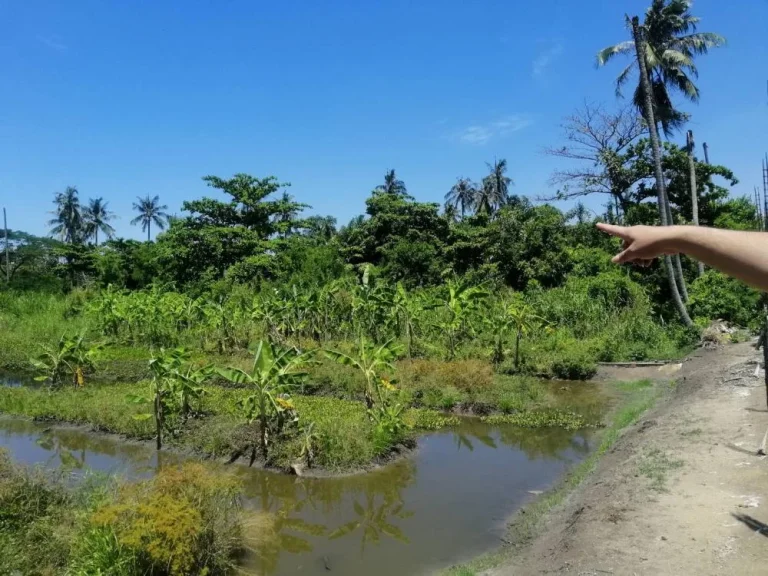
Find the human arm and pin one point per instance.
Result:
(743, 255)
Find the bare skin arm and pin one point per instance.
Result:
(743, 255)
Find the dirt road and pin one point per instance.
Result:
(682, 492)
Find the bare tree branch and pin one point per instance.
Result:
(601, 142)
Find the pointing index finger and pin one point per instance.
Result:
(619, 231)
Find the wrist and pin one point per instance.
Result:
(676, 237)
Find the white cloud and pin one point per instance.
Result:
(480, 134)
(53, 42)
(545, 58)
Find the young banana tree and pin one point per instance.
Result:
(70, 358)
(408, 308)
(461, 304)
(371, 307)
(188, 385)
(522, 320)
(275, 373)
(374, 362)
(166, 368)
(500, 325)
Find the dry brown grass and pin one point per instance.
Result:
(465, 375)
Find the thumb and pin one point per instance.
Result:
(623, 256)
(619, 231)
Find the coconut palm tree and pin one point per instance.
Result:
(494, 192)
(648, 112)
(462, 194)
(97, 217)
(150, 210)
(672, 43)
(391, 184)
(67, 222)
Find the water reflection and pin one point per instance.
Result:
(14, 381)
(447, 502)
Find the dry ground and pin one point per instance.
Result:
(682, 492)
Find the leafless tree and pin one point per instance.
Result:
(599, 142)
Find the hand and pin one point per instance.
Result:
(641, 244)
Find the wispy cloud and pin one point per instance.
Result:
(53, 42)
(545, 58)
(480, 134)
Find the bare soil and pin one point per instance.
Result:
(683, 491)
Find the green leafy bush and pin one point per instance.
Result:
(716, 296)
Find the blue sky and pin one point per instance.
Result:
(131, 98)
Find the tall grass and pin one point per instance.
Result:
(31, 319)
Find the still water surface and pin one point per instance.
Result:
(446, 503)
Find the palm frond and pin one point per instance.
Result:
(605, 55)
(622, 78)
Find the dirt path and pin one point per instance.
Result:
(682, 492)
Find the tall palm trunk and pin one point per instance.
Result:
(679, 278)
(694, 188)
(649, 116)
(149, 228)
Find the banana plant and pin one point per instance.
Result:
(374, 362)
(165, 391)
(408, 309)
(371, 306)
(188, 385)
(70, 358)
(309, 439)
(523, 320)
(461, 304)
(275, 373)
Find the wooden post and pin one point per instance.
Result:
(7, 256)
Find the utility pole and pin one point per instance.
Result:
(706, 153)
(760, 222)
(7, 257)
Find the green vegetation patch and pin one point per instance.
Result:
(541, 419)
(656, 465)
(185, 520)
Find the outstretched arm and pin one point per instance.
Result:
(743, 255)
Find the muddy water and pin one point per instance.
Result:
(446, 503)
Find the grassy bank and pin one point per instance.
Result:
(344, 436)
(186, 520)
(527, 523)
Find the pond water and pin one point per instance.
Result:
(14, 380)
(445, 504)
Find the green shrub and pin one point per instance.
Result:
(715, 295)
(574, 367)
